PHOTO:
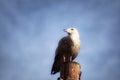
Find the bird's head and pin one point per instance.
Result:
(71, 31)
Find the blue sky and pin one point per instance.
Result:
(30, 31)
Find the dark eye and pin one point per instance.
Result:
(72, 29)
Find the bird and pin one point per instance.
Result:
(67, 49)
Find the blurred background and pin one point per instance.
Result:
(30, 31)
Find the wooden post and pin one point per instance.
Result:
(70, 71)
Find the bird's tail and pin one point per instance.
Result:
(55, 67)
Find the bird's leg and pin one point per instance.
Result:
(70, 58)
(63, 58)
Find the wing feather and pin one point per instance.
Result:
(64, 47)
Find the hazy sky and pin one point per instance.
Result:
(30, 31)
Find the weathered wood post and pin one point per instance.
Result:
(70, 71)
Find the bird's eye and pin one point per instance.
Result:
(72, 29)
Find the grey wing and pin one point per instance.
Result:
(63, 48)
